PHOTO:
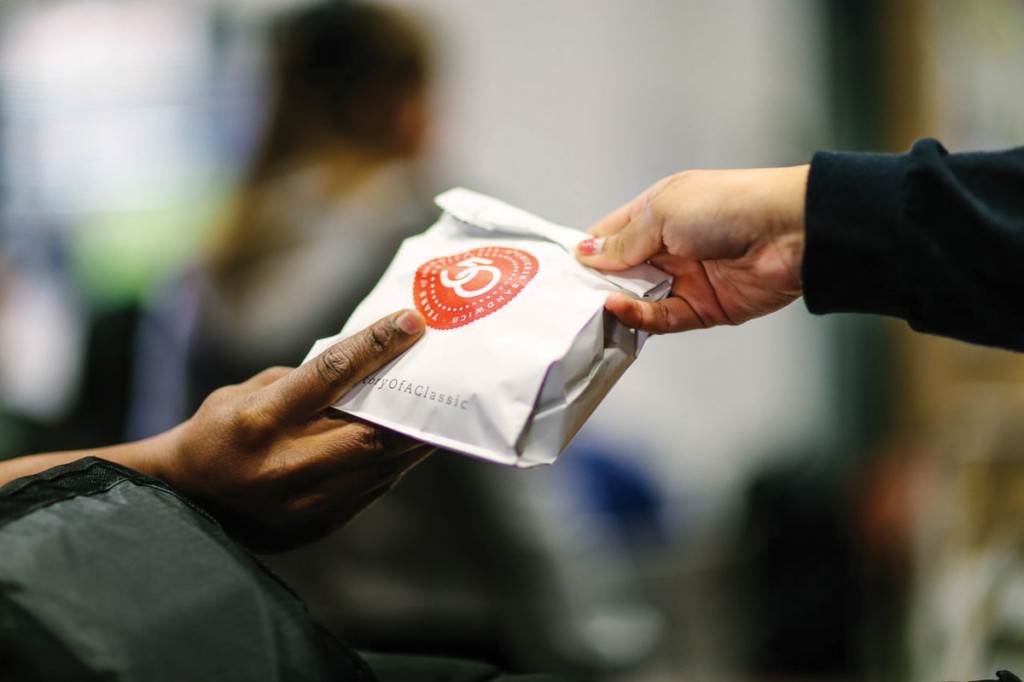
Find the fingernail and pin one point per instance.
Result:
(410, 322)
(590, 247)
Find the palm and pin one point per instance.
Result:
(711, 293)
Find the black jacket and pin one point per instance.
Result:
(934, 238)
(106, 574)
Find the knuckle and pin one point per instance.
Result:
(280, 473)
(224, 395)
(369, 439)
(376, 440)
(650, 317)
(274, 373)
(249, 420)
(218, 396)
(681, 180)
(387, 441)
(336, 364)
(380, 338)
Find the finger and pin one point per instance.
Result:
(324, 379)
(384, 474)
(613, 222)
(350, 447)
(311, 511)
(628, 236)
(256, 382)
(637, 242)
(604, 251)
(337, 501)
(591, 250)
(323, 455)
(620, 217)
(304, 519)
(392, 469)
(347, 488)
(673, 314)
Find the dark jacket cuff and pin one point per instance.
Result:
(853, 241)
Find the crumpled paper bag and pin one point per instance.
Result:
(518, 349)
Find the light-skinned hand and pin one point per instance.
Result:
(731, 239)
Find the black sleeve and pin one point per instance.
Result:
(108, 574)
(933, 238)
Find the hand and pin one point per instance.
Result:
(274, 464)
(732, 241)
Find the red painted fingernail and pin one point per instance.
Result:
(590, 247)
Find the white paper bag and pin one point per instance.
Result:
(518, 349)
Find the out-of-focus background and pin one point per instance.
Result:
(798, 498)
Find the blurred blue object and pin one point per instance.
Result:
(619, 488)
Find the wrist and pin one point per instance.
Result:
(788, 231)
(156, 456)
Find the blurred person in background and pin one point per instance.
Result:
(331, 190)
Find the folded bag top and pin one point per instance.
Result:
(518, 349)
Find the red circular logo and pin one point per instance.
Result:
(453, 291)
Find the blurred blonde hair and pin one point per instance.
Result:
(342, 76)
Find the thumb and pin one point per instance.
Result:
(324, 379)
(636, 243)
